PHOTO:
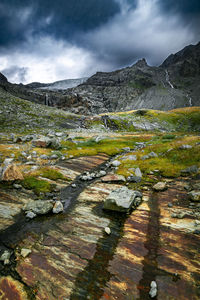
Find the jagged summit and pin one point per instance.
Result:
(141, 63)
(191, 53)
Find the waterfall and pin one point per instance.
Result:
(46, 99)
(167, 79)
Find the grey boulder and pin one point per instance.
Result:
(39, 207)
(122, 200)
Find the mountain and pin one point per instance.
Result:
(58, 85)
(174, 84)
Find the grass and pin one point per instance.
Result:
(169, 163)
(37, 185)
(110, 146)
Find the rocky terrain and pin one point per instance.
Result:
(174, 84)
(98, 207)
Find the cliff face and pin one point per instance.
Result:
(174, 84)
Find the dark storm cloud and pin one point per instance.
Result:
(184, 7)
(21, 18)
(49, 40)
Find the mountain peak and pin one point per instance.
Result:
(141, 63)
(3, 78)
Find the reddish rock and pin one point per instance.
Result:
(11, 173)
(113, 178)
(11, 289)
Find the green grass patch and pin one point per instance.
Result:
(37, 185)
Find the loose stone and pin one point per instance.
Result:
(25, 252)
(107, 230)
(153, 290)
(58, 207)
(160, 186)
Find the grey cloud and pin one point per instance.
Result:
(15, 73)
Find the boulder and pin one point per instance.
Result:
(122, 200)
(138, 173)
(58, 207)
(42, 142)
(46, 142)
(194, 196)
(160, 186)
(190, 170)
(11, 173)
(39, 207)
(115, 163)
(55, 144)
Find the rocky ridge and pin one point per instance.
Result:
(174, 84)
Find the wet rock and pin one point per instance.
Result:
(39, 207)
(179, 215)
(190, 170)
(12, 289)
(30, 215)
(160, 186)
(25, 252)
(153, 290)
(17, 186)
(194, 196)
(113, 178)
(115, 163)
(107, 230)
(11, 173)
(5, 257)
(58, 207)
(122, 200)
(184, 147)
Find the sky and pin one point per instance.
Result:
(48, 40)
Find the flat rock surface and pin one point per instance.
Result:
(72, 257)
